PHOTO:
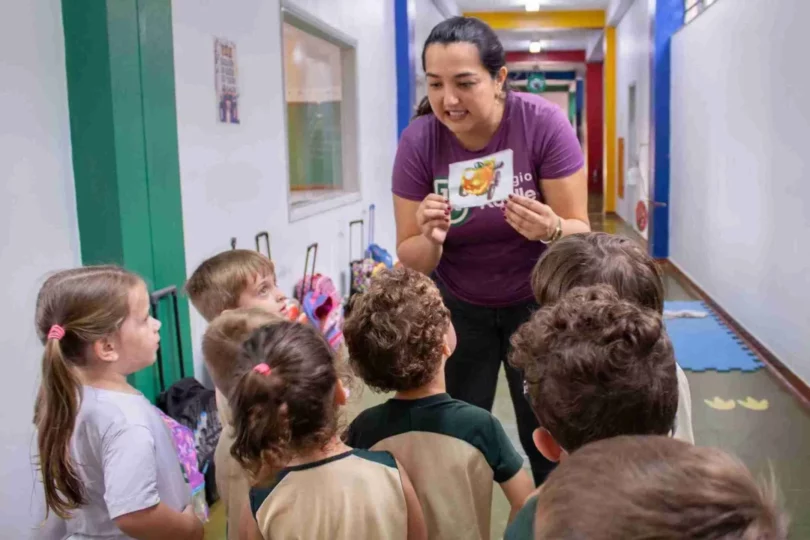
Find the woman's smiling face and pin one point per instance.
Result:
(462, 93)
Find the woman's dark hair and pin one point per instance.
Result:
(289, 408)
(466, 30)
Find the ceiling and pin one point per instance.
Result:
(551, 39)
(520, 5)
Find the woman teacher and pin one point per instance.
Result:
(482, 257)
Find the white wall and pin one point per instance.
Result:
(234, 177)
(38, 221)
(740, 186)
(633, 67)
(427, 16)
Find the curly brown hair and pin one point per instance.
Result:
(597, 366)
(289, 411)
(395, 331)
(656, 487)
(584, 259)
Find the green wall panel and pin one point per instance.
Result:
(120, 73)
(163, 173)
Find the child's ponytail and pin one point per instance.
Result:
(75, 308)
(286, 403)
(261, 421)
(55, 416)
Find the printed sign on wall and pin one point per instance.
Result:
(226, 81)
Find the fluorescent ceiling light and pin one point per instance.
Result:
(532, 5)
(535, 47)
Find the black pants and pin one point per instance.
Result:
(472, 370)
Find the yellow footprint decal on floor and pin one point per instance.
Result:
(720, 404)
(753, 404)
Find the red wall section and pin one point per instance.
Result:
(548, 56)
(593, 111)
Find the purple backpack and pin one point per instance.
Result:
(183, 439)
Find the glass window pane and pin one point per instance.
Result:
(691, 14)
(313, 86)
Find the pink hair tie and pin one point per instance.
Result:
(262, 369)
(56, 332)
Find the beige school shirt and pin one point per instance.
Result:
(453, 452)
(231, 479)
(356, 495)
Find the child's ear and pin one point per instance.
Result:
(341, 394)
(546, 444)
(450, 341)
(105, 350)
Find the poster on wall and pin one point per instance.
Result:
(226, 81)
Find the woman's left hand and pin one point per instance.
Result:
(531, 218)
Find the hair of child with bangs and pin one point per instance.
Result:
(219, 281)
(598, 258)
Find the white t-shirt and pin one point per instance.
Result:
(683, 419)
(126, 460)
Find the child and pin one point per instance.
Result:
(221, 346)
(285, 413)
(595, 367)
(586, 259)
(109, 467)
(655, 487)
(232, 279)
(399, 337)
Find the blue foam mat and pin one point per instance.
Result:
(707, 344)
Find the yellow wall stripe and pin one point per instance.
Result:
(522, 20)
(610, 119)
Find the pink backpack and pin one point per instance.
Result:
(321, 301)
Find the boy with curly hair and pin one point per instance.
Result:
(595, 366)
(598, 258)
(399, 337)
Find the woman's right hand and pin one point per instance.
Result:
(433, 218)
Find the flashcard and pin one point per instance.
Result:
(481, 181)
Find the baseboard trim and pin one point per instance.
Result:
(789, 380)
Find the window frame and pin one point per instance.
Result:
(351, 191)
(692, 9)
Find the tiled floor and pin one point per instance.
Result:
(775, 439)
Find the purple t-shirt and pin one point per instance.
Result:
(485, 261)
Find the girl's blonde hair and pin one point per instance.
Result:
(88, 304)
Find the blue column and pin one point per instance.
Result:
(404, 14)
(667, 18)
